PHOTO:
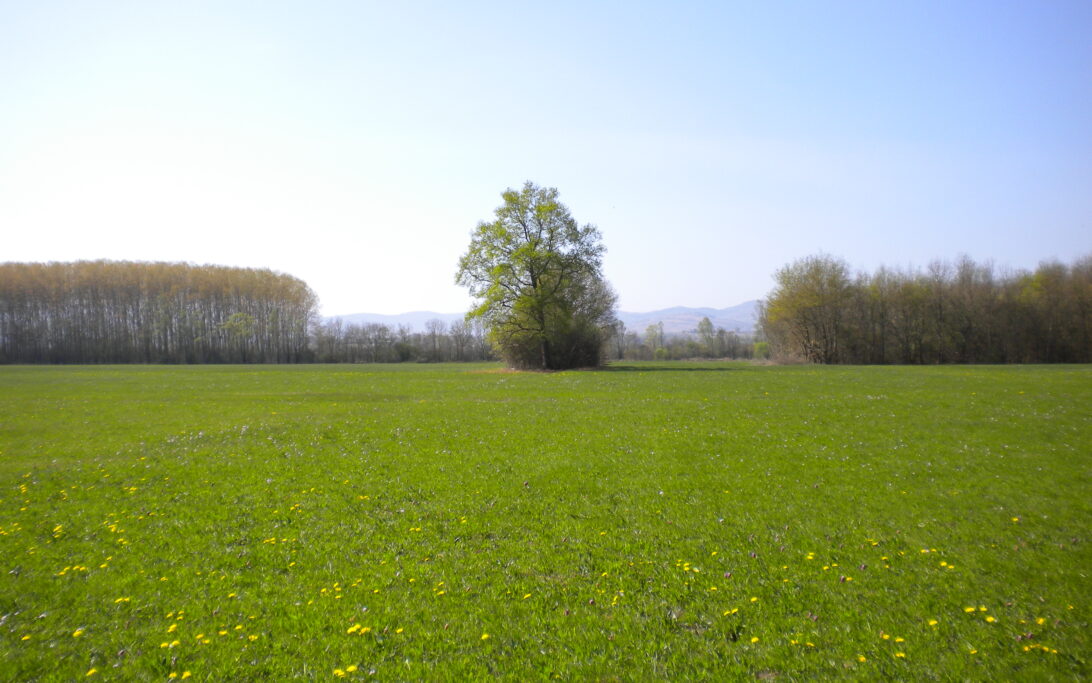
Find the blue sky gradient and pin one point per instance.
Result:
(357, 144)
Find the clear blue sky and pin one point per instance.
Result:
(357, 144)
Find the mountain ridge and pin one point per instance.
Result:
(676, 319)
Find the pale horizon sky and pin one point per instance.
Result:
(356, 145)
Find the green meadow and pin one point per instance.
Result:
(450, 522)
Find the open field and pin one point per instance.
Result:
(445, 522)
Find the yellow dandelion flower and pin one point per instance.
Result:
(900, 655)
(885, 636)
(933, 622)
(485, 636)
(92, 672)
(398, 630)
(25, 638)
(900, 640)
(252, 638)
(353, 629)
(1040, 621)
(77, 633)
(186, 674)
(526, 596)
(968, 610)
(351, 668)
(754, 599)
(861, 658)
(973, 651)
(990, 620)
(755, 639)
(172, 674)
(172, 628)
(340, 673)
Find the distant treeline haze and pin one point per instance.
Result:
(707, 341)
(964, 312)
(337, 342)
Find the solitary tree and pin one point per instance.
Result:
(537, 278)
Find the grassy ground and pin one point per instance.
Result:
(449, 522)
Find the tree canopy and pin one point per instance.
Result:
(537, 277)
(964, 312)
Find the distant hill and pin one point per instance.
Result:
(740, 318)
(413, 319)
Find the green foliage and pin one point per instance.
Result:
(537, 276)
(708, 336)
(806, 307)
(950, 313)
(671, 522)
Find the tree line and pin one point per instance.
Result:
(706, 341)
(134, 312)
(131, 312)
(335, 341)
(962, 312)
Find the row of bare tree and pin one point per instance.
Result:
(129, 312)
(964, 312)
(338, 342)
(706, 341)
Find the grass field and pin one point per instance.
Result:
(672, 521)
